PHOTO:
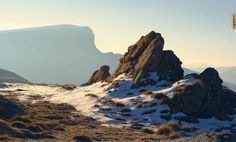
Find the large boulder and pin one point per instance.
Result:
(147, 56)
(99, 75)
(211, 78)
(204, 98)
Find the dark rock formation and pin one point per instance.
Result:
(9, 109)
(99, 75)
(147, 56)
(211, 78)
(205, 98)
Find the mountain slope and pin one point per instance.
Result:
(54, 54)
(10, 77)
(148, 90)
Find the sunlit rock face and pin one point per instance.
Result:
(147, 56)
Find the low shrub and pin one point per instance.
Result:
(169, 131)
(148, 131)
(106, 108)
(68, 86)
(119, 104)
(91, 95)
(159, 95)
(125, 110)
(148, 92)
(96, 105)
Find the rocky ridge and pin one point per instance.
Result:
(204, 97)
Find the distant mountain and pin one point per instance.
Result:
(188, 71)
(10, 77)
(230, 86)
(53, 54)
(228, 74)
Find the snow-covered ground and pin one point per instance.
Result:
(105, 103)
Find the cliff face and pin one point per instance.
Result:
(62, 54)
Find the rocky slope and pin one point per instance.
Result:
(148, 92)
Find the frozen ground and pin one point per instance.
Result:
(120, 105)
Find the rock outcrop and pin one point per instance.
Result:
(211, 78)
(146, 56)
(99, 75)
(205, 98)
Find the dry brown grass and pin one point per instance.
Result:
(148, 92)
(107, 101)
(56, 122)
(139, 105)
(111, 101)
(96, 105)
(119, 104)
(106, 108)
(169, 131)
(91, 95)
(148, 131)
(21, 118)
(159, 96)
(68, 86)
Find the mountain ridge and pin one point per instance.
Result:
(11, 77)
(163, 103)
(46, 47)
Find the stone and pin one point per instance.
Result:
(99, 75)
(204, 98)
(211, 78)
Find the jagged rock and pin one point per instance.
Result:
(205, 98)
(147, 56)
(100, 75)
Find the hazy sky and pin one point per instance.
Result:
(199, 31)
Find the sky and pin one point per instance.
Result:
(199, 31)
